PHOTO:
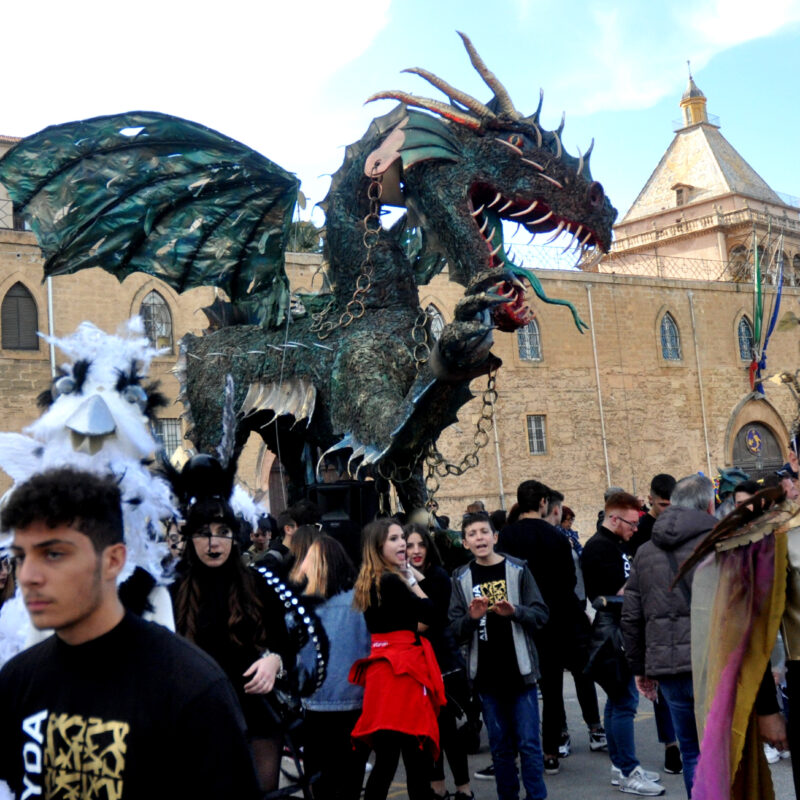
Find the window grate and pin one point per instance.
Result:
(168, 434)
(537, 439)
(670, 339)
(529, 343)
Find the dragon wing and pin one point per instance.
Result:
(148, 192)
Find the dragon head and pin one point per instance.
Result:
(473, 166)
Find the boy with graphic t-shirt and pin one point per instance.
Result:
(495, 607)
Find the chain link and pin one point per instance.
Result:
(438, 467)
(419, 337)
(355, 308)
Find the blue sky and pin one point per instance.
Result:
(289, 79)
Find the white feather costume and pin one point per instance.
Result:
(97, 423)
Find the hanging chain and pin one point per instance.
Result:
(355, 307)
(438, 467)
(419, 337)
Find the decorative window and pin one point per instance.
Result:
(738, 264)
(436, 321)
(529, 343)
(670, 339)
(537, 439)
(168, 434)
(157, 320)
(680, 196)
(745, 334)
(19, 320)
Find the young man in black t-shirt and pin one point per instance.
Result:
(111, 705)
(495, 607)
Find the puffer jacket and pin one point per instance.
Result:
(655, 619)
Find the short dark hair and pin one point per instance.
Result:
(554, 499)
(471, 517)
(662, 485)
(751, 487)
(530, 495)
(81, 500)
(285, 518)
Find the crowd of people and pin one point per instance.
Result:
(423, 637)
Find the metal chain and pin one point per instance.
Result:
(438, 467)
(419, 337)
(355, 307)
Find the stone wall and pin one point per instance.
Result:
(651, 407)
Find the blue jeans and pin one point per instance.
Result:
(618, 719)
(678, 693)
(512, 724)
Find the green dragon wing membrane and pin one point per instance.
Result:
(148, 192)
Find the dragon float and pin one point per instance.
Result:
(346, 375)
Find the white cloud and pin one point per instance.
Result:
(635, 49)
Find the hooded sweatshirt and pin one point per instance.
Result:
(655, 619)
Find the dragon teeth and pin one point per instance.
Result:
(501, 210)
(496, 250)
(477, 211)
(484, 226)
(526, 211)
(586, 238)
(496, 200)
(542, 219)
(557, 232)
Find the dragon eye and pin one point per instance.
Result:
(64, 385)
(595, 195)
(135, 394)
(516, 140)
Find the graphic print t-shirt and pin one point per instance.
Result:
(497, 661)
(95, 721)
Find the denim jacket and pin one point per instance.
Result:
(530, 614)
(349, 641)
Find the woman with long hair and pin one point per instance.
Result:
(424, 556)
(226, 609)
(403, 688)
(332, 711)
(301, 542)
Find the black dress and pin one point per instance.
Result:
(215, 636)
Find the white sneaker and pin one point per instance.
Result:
(773, 754)
(616, 774)
(638, 783)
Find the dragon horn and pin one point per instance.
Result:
(454, 94)
(443, 109)
(490, 79)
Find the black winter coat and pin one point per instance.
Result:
(655, 619)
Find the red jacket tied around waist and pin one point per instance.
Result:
(403, 689)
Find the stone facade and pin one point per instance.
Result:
(607, 407)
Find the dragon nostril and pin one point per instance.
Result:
(595, 194)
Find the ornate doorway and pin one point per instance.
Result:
(756, 450)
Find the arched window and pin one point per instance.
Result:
(745, 334)
(794, 272)
(670, 339)
(738, 266)
(19, 320)
(529, 343)
(436, 320)
(157, 320)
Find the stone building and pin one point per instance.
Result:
(659, 384)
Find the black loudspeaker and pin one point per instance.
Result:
(346, 507)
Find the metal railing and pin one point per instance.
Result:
(6, 214)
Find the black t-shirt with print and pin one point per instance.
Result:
(497, 662)
(138, 712)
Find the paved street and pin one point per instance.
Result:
(587, 775)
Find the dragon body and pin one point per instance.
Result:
(346, 380)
